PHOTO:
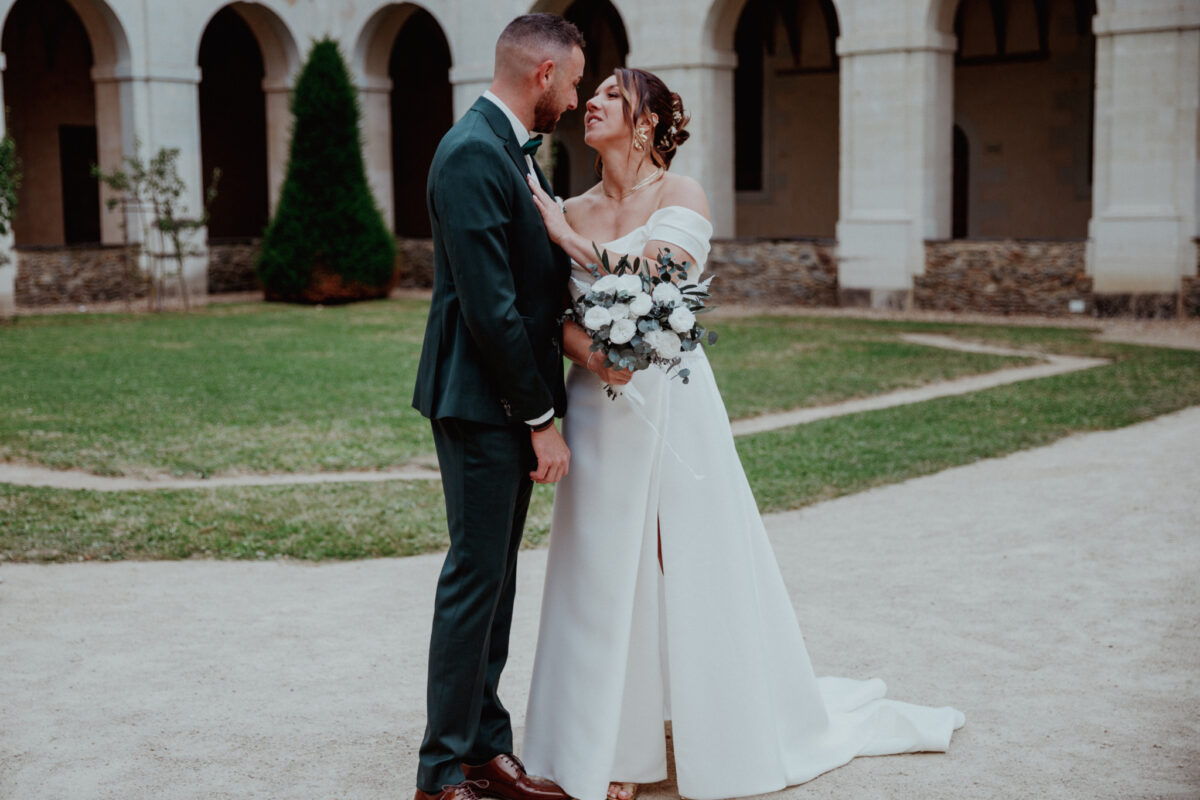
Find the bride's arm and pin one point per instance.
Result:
(684, 192)
(577, 347)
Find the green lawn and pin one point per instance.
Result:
(259, 388)
(273, 388)
(801, 465)
(250, 388)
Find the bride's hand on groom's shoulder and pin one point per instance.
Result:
(552, 213)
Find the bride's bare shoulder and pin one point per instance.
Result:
(681, 190)
(581, 204)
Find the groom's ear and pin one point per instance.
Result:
(545, 74)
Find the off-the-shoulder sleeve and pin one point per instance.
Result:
(683, 227)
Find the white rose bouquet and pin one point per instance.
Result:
(637, 318)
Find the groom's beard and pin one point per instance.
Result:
(546, 112)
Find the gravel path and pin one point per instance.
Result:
(1051, 595)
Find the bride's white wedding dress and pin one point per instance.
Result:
(712, 642)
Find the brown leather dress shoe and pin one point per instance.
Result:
(507, 779)
(467, 790)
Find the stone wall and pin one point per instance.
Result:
(999, 277)
(231, 265)
(414, 263)
(1191, 296)
(49, 276)
(773, 272)
(754, 271)
(1003, 277)
(1142, 305)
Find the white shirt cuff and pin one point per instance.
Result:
(535, 422)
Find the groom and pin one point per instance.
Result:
(491, 382)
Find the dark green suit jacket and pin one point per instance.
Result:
(493, 342)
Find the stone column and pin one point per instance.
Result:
(8, 256)
(1144, 214)
(895, 163)
(705, 82)
(113, 140)
(375, 100)
(166, 114)
(467, 82)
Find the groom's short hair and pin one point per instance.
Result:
(533, 38)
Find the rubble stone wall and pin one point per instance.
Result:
(774, 272)
(414, 263)
(52, 276)
(231, 265)
(1000, 277)
(1003, 277)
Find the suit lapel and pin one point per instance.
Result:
(537, 169)
(503, 129)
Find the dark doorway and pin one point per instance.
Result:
(50, 102)
(785, 118)
(80, 189)
(748, 96)
(607, 46)
(961, 181)
(422, 112)
(1024, 86)
(233, 127)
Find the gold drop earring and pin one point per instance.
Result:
(639, 139)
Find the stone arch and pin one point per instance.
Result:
(277, 63)
(603, 28)
(372, 51)
(604, 31)
(372, 59)
(721, 19)
(280, 55)
(58, 142)
(1024, 76)
(420, 74)
(233, 126)
(720, 23)
(110, 45)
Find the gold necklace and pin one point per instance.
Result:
(639, 185)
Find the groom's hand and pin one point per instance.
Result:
(553, 455)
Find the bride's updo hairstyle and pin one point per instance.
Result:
(642, 94)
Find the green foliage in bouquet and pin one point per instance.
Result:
(637, 316)
(327, 242)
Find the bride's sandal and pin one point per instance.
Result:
(623, 791)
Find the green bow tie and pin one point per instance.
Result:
(530, 148)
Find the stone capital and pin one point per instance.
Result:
(904, 41)
(1182, 17)
(155, 73)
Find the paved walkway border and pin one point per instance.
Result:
(19, 475)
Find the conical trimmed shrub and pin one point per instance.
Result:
(327, 242)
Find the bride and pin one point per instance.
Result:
(663, 599)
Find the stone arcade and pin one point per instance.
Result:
(846, 144)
